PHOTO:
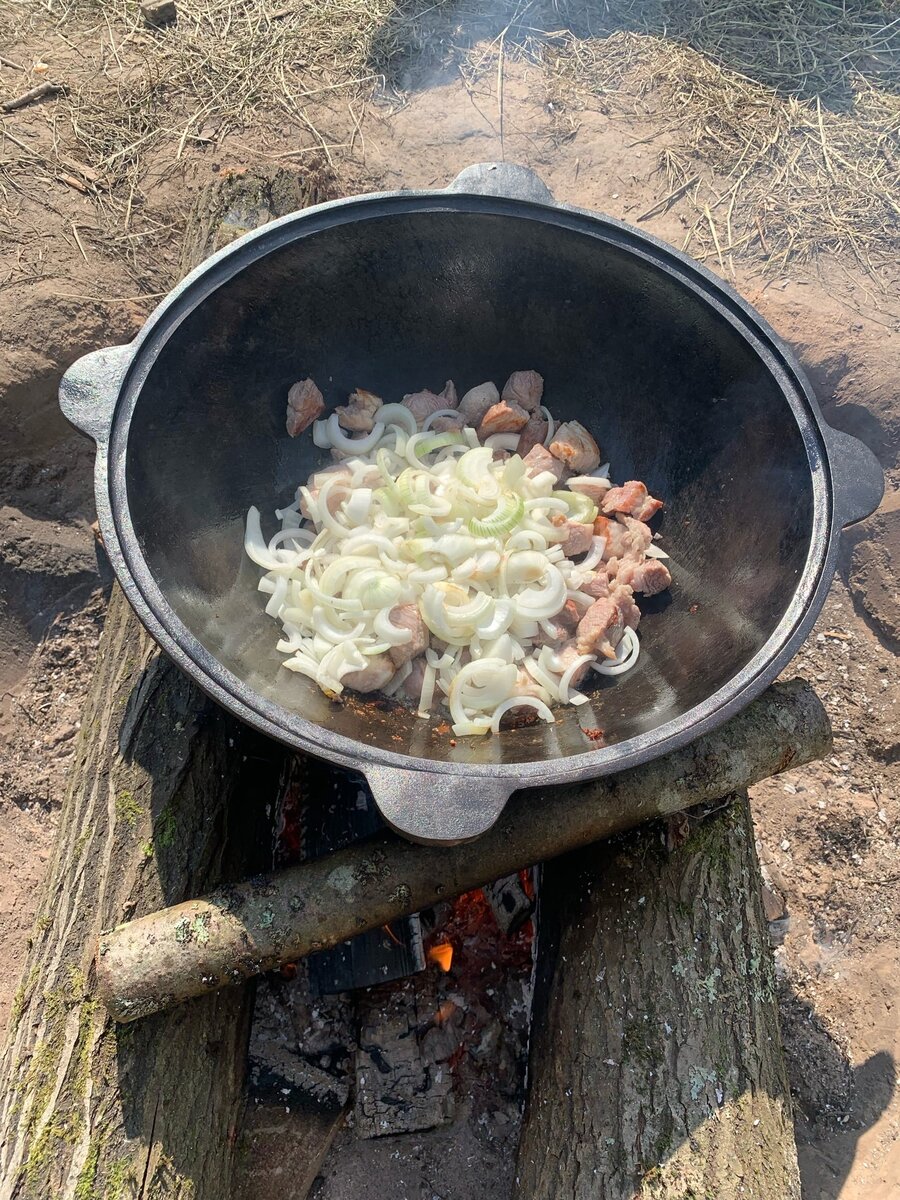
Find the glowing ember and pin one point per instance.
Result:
(442, 954)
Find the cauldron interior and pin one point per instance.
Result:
(673, 393)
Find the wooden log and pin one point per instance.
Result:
(240, 931)
(158, 808)
(656, 1065)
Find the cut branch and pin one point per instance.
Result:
(237, 932)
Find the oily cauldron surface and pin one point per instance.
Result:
(680, 381)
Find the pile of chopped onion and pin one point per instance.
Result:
(430, 519)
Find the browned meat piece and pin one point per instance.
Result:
(532, 435)
(448, 424)
(361, 413)
(524, 388)
(631, 498)
(563, 624)
(377, 672)
(588, 485)
(602, 626)
(574, 446)
(648, 577)
(305, 404)
(477, 401)
(578, 536)
(564, 659)
(412, 684)
(502, 417)
(448, 394)
(423, 404)
(538, 459)
(407, 616)
(625, 537)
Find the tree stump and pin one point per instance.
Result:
(656, 1065)
(166, 798)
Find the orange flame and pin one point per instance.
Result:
(441, 954)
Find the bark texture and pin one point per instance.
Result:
(240, 931)
(166, 799)
(656, 1066)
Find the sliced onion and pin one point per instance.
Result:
(569, 674)
(397, 414)
(362, 445)
(502, 441)
(426, 695)
(279, 595)
(653, 551)
(400, 675)
(624, 660)
(551, 425)
(320, 435)
(389, 632)
(519, 702)
(357, 508)
(594, 556)
(441, 412)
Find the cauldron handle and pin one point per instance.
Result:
(502, 179)
(858, 479)
(89, 389)
(436, 807)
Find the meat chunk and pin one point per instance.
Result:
(448, 424)
(626, 537)
(375, 674)
(502, 417)
(477, 401)
(597, 585)
(631, 498)
(578, 537)
(538, 459)
(448, 394)
(602, 626)
(574, 446)
(524, 388)
(589, 485)
(305, 403)
(423, 404)
(532, 435)
(361, 413)
(648, 577)
(407, 616)
(563, 626)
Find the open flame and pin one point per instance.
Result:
(441, 954)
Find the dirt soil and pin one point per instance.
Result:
(828, 834)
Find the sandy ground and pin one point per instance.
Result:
(828, 834)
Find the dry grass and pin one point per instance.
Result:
(788, 114)
(781, 176)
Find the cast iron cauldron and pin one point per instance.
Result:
(683, 384)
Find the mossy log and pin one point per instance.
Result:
(239, 931)
(165, 800)
(656, 1066)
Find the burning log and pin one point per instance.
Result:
(158, 808)
(159, 960)
(656, 1065)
